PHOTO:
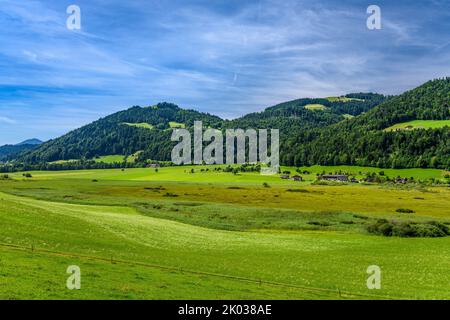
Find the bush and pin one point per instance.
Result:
(27, 175)
(404, 230)
(402, 210)
(358, 216)
(432, 229)
(170, 195)
(319, 223)
(429, 231)
(297, 190)
(441, 226)
(4, 177)
(381, 227)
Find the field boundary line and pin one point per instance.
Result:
(337, 292)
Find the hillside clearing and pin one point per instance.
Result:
(420, 124)
(315, 107)
(110, 159)
(173, 124)
(143, 125)
(342, 99)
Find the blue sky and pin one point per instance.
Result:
(225, 57)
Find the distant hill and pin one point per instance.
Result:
(349, 130)
(298, 118)
(10, 151)
(33, 141)
(148, 129)
(123, 133)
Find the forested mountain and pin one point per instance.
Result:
(362, 140)
(149, 129)
(331, 131)
(296, 112)
(117, 134)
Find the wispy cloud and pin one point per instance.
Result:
(7, 120)
(224, 57)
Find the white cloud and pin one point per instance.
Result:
(227, 61)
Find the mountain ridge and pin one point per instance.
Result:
(11, 150)
(348, 130)
(33, 141)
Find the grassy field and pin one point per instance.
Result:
(420, 124)
(172, 234)
(139, 125)
(117, 158)
(315, 107)
(174, 124)
(63, 161)
(342, 99)
(183, 174)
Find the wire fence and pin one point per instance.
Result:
(331, 292)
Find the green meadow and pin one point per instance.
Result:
(116, 158)
(173, 124)
(420, 124)
(111, 159)
(315, 107)
(198, 233)
(143, 125)
(342, 99)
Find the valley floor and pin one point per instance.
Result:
(139, 234)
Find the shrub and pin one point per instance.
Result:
(429, 231)
(441, 226)
(432, 229)
(297, 190)
(27, 175)
(404, 230)
(266, 185)
(170, 195)
(402, 210)
(358, 216)
(381, 227)
(319, 223)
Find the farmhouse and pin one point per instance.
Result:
(285, 177)
(297, 178)
(153, 165)
(334, 177)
